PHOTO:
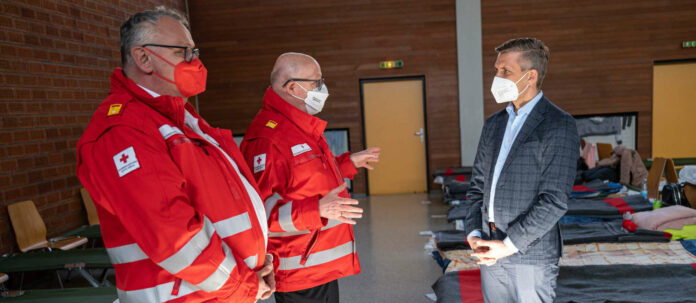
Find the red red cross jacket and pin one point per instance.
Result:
(294, 168)
(180, 214)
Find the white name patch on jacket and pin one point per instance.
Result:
(126, 161)
(168, 131)
(300, 149)
(259, 163)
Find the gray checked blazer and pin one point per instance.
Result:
(533, 186)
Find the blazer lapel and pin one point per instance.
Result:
(498, 135)
(535, 117)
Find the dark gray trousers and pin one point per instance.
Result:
(522, 283)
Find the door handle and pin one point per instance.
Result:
(421, 134)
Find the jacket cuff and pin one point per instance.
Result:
(515, 236)
(475, 233)
(345, 164)
(309, 215)
(510, 245)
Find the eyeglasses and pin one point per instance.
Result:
(318, 83)
(189, 53)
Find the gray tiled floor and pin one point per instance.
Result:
(395, 267)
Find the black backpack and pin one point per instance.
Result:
(673, 194)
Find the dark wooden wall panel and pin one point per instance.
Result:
(602, 52)
(240, 41)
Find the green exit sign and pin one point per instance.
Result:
(391, 64)
(687, 44)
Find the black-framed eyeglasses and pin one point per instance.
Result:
(189, 53)
(318, 82)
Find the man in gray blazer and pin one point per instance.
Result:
(522, 176)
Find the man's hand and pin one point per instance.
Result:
(495, 250)
(269, 278)
(266, 280)
(338, 208)
(475, 243)
(360, 159)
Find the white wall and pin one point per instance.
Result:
(470, 77)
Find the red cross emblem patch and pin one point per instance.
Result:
(126, 161)
(259, 163)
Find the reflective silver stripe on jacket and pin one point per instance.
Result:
(159, 293)
(271, 203)
(233, 225)
(126, 254)
(251, 262)
(218, 278)
(285, 217)
(225, 228)
(318, 258)
(163, 292)
(191, 250)
(332, 223)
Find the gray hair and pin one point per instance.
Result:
(533, 51)
(139, 27)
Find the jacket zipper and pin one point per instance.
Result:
(315, 234)
(241, 184)
(201, 141)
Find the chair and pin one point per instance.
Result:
(604, 150)
(30, 229)
(93, 230)
(658, 167)
(91, 210)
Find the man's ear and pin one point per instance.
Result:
(290, 88)
(533, 76)
(141, 59)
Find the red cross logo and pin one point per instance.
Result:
(258, 160)
(124, 158)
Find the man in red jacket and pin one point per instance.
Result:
(180, 213)
(310, 213)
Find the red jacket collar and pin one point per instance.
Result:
(171, 107)
(311, 125)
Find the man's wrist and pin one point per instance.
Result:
(510, 245)
(475, 233)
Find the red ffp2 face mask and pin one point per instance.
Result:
(189, 77)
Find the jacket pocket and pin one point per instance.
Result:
(305, 158)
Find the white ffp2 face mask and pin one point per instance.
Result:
(315, 100)
(505, 90)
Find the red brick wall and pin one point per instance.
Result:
(55, 60)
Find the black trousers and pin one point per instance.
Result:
(325, 293)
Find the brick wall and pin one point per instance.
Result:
(55, 61)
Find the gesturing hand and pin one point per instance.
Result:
(338, 208)
(360, 159)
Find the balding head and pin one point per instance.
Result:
(294, 66)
